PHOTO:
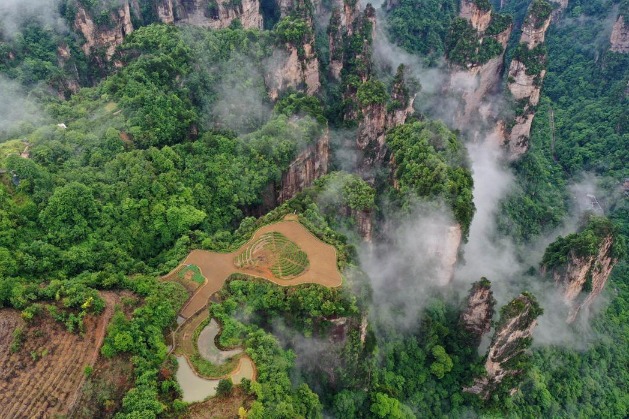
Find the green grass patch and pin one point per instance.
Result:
(273, 250)
(196, 274)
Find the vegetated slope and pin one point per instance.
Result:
(42, 365)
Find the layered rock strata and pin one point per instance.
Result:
(509, 343)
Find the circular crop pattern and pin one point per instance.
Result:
(274, 252)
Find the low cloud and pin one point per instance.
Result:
(14, 13)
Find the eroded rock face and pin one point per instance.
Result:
(534, 32)
(510, 341)
(578, 272)
(289, 70)
(525, 88)
(479, 310)
(376, 121)
(100, 37)
(620, 36)
(447, 251)
(364, 223)
(522, 85)
(295, 65)
(310, 164)
(475, 82)
(216, 14)
(479, 19)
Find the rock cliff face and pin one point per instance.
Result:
(295, 64)
(216, 14)
(475, 82)
(364, 224)
(446, 251)
(479, 18)
(510, 341)
(376, 119)
(620, 36)
(99, 37)
(289, 70)
(586, 273)
(479, 310)
(310, 164)
(523, 84)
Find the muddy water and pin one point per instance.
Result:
(193, 387)
(207, 346)
(196, 389)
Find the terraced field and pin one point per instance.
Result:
(273, 252)
(43, 378)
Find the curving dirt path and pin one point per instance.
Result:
(217, 267)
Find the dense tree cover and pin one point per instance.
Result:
(421, 26)
(431, 162)
(142, 337)
(465, 47)
(306, 308)
(30, 56)
(148, 167)
(585, 243)
(583, 100)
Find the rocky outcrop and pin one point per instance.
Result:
(582, 277)
(345, 21)
(335, 40)
(215, 14)
(478, 17)
(474, 82)
(309, 165)
(479, 310)
(446, 252)
(376, 120)
(523, 83)
(534, 30)
(295, 63)
(620, 36)
(364, 223)
(509, 343)
(103, 37)
(290, 70)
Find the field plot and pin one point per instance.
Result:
(274, 252)
(42, 377)
(187, 275)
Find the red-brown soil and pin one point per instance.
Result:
(217, 267)
(43, 378)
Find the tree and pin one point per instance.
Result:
(225, 387)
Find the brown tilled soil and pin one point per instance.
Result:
(221, 407)
(217, 267)
(187, 282)
(43, 378)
